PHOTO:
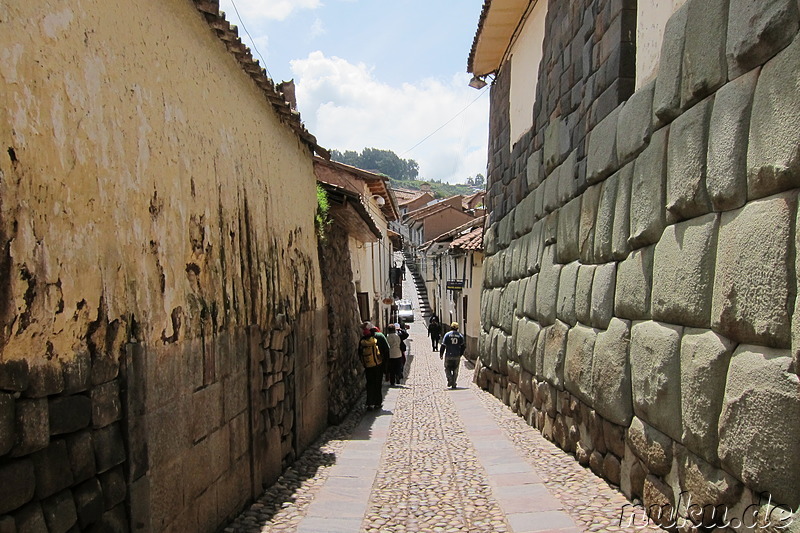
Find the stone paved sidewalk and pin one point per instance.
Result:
(435, 460)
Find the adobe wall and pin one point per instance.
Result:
(162, 333)
(640, 284)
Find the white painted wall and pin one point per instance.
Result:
(526, 54)
(651, 19)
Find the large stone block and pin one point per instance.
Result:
(59, 512)
(519, 306)
(603, 289)
(601, 156)
(32, 426)
(757, 31)
(81, 455)
(547, 288)
(523, 220)
(648, 192)
(656, 374)
(6, 423)
(686, 163)
(533, 170)
(635, 123)
(52, 466)
(88, 502)
(604, 222)
(620, 247)
(554, 349)
(550, 193)
(529, 309)
(611, 373)
(14, 375)
(569, 227)
(667, 94)
(711, 490)
(757, 434)
(106, 404)
(490, 240)
(704, 368)
(109, 449)
(527, 334)
(651, 446)
(704, 66)
(566, 293)
(752, 286)
(507, 301)
(583, 293)
(557, 143)
(590, 201)
(17, 484)
(684, 265)
(568, 178)
(726, 172)
(634, 285)
(578, 362)
(773, 157)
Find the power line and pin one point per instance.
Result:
(252, 41)
(485, 89)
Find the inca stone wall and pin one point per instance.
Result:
(346, 371)
(640, 285)
(162, 325)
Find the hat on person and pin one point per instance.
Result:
(454, 325)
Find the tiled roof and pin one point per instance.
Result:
(471, 241)
(229, 35)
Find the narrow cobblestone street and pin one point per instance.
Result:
(436, 460)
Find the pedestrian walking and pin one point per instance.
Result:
(403, 334)
(395, 369)
(373, 349)
(434, 332)
(452, 348)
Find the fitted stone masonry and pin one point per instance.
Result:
(660, 278)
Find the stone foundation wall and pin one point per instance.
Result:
(346, 379)
(162, 321)
(645, 318)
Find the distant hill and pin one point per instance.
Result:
(404, 173)
(438, 189)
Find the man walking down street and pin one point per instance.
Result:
(434, 332)
(452, 348)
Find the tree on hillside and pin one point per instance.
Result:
(380, 161)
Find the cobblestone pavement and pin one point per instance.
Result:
(435, 460)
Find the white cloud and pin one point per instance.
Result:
(267, 9)
(346, 108)
(317, 28)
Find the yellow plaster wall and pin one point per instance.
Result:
(134, 146)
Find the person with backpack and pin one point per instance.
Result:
(373, 350)
(452, 348)
(434, 332)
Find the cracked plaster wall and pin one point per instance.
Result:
(151, 197)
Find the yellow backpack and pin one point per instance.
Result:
(370, 354)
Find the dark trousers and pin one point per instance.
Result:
(395, 370)
(451, 371)
(374, 379)
(435, 342)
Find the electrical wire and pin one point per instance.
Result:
(252, 41)
(483, 91)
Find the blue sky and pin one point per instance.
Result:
(378, 73)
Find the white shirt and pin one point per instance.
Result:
(394, 345)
